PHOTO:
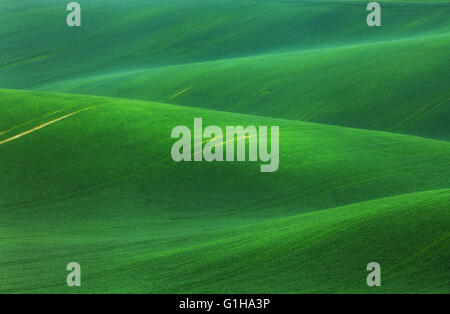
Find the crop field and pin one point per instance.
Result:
(86, 173)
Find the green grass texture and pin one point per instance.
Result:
(86, 173)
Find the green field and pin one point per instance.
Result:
(86, 116)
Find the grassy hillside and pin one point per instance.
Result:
(302, 60)
(37, 47)
(341, 86)
(115, 138)
(102, 180)
(86, 173)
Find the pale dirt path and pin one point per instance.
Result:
(42, 126)
(180, 92)
(26, 122)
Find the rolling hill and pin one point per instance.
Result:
(339, 86)
(302, 60)
(86, 173)
(37, 47)
(100, 186)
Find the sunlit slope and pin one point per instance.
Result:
(36, 45)
(95, 183)
(103, 144)
(399, 86)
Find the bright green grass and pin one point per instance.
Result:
(100, 188)
(318, 252)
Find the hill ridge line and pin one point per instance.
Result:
(149, 102)
(426, 37)
(225, 239)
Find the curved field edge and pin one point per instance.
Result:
(326, 251)
(93, 153)
(90, 179)
(343, 86)
(106, 193)
(161, 33)
(318, 252)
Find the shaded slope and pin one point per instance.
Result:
(323, 251)
(37, 46)
(345, 86)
